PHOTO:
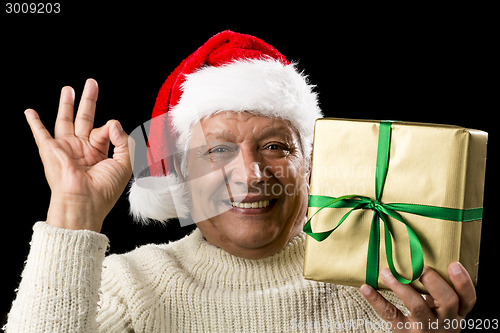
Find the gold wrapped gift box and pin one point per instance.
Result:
(428, 164)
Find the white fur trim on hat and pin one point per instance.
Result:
(158, 198)
(266, 86)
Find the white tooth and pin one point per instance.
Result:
(255, 204)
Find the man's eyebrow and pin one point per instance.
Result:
(280, 132)
(268, 131)
(276, 130)
(218, 133)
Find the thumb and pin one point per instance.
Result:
(124, 145)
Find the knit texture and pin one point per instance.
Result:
(184, 286)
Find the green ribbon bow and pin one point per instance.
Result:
(382, 211)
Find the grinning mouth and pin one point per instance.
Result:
(251, 203)
(255, 204)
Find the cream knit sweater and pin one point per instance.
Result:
(186, 286)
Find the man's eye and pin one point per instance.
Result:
(218, 150)
(221, 152)
(275, 146)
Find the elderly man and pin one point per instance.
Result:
(229, 148)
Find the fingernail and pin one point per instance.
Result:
(456, 268)
(386, 274)
(27, 112)
(365, 289)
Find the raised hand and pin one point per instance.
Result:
(84, 182)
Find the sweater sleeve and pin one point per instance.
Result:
(59, 289)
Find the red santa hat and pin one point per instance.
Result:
(230, 72)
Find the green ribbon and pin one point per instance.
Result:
(382, 211)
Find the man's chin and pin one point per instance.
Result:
(255, 243)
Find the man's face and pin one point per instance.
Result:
(248, 183)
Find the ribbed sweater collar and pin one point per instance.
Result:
(211, 265)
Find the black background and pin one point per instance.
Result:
(416, 64)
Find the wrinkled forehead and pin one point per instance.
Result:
(237, 127)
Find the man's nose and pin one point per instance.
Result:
(247, 168)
